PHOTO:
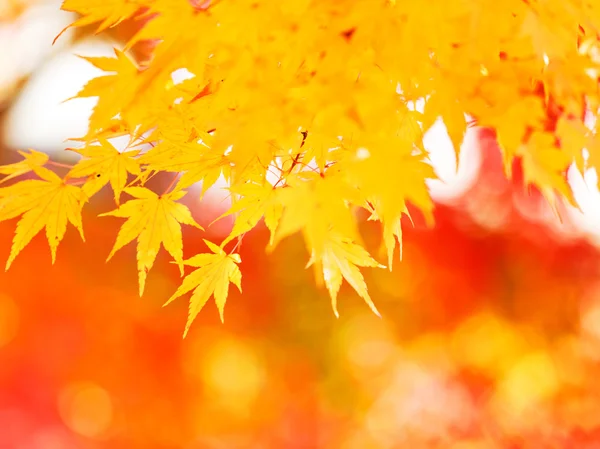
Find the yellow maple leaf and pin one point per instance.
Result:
(215, 272)
(176, 21)
(552, 32)
(43, 203)
(313, 205)
(441, 105)
(573, 136)
(152, 219)
(196, 161)
(389, 178)
(513, 124)
(255, 202)
(109, 12)
(33, 158)
(102, 164)
(339, 260)
(545, 166)
(114, 90)
(317, 145)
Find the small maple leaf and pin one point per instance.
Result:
(33, 158)
(153, 220)
(215, 272)
(255, 201)
(48, 202)
(102, 164)
(339, 260)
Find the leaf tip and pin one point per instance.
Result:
(375, 311)
(142, 283)
(169, 301)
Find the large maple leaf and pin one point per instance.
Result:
(152, 219)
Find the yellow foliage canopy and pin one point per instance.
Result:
(307, 109)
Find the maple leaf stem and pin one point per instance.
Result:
(59, 164)
(281, 178)
(172, 183)
(238, 244)
(79, 182)
(313, 169)
(295, 161)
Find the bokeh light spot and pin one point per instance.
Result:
(234, 372)
(531, 380)
(488, 344)
(86, 409)
(367, 342)
(590, 321)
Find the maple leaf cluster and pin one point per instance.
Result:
(308, 111)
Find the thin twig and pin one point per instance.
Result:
(287, 172)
